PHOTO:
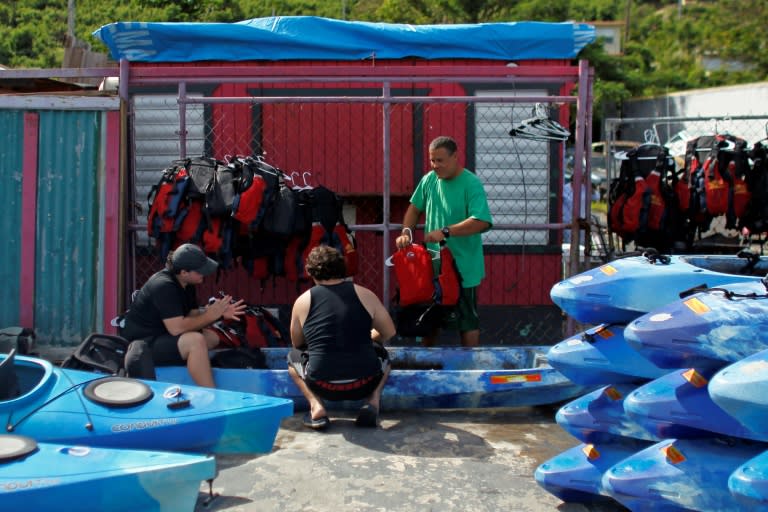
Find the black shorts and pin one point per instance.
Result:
(335, 390)
(165, 348)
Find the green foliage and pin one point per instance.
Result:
(668, 42)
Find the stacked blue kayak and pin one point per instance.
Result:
(626, 288)
(680, 358)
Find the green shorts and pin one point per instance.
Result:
(463, 317)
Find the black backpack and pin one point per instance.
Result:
(20, 338)
(113, 355)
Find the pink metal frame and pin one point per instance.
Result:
(29, 220)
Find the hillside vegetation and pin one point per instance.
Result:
(665, 50)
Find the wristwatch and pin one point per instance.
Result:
(446, 232)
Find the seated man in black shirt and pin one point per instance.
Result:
(336, 331)
(165, 314)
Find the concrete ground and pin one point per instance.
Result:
(415, 461)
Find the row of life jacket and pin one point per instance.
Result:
(654, 205)
(243, 211)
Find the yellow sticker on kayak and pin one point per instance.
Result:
(514, 378)
(590, 451)
(696, 306)
(608, 270)
(605, 333)
(673, 454)
(612, 393)
(695, 378)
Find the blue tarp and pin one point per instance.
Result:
(313, 38)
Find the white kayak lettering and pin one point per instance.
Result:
(143, 425)
(20, 485)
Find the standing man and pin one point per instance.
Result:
(165, 314)
(456, 208)
(336, 330)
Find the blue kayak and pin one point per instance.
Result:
(43, 476)
(599, 416)
(423, 378)
(575, 475)
(626, 288)
(94, 410)
(705, 330)
(749, 483)
(601, 356)
(680, 475)
(741, 390)
(681, 399)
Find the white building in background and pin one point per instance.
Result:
(718, 108)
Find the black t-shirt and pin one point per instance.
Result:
(161, 297)
(338, 334)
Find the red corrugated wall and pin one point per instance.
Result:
(512, 279)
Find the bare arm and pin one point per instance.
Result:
(383, 326)
(298, 317)
(410, 220)
(464, 228)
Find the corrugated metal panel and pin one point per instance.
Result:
(11, 161)
(68, 200)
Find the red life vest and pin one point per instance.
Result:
(449, 280)
(415, 274)
(656, 203)
(715, 188)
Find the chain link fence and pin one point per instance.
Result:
(371, 151)
(674, 133)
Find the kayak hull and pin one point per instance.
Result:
(627, 288)
(423, 378)
(96, 410)
(600, 356)
(575, 475)
(99, 479)
(679, 475)
(706, 330)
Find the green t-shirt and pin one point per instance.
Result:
(447, 202)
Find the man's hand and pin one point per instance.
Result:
(226, 309)
(435, 236)
(403, 241)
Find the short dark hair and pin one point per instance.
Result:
(325, 262)
(444, 142)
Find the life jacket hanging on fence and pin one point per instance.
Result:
(715, 187)
(165, 200)
(654, 201)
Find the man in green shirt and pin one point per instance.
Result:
(456, 209)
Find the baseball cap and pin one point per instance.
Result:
(191, 257)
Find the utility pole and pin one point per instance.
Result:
(627, 13)
(71, 19)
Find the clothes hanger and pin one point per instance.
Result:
(306, 186)
(540, 127)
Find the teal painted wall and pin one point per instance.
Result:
(68, 199)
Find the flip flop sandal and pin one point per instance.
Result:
(316, 424)
(367, 417)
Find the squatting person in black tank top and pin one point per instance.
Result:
(337, 328)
